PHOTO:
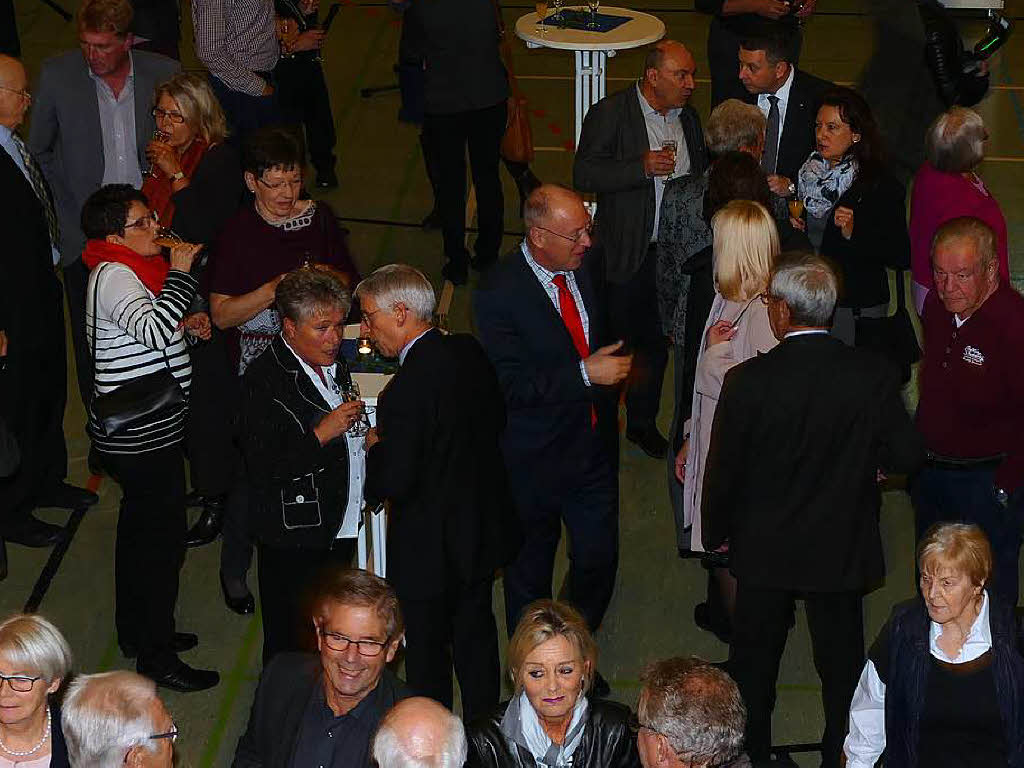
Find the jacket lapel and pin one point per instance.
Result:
(144, 126)
(305, 387)
(82, 90)
(535, 293)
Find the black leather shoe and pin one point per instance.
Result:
(600, 689)
(208, 527)
(181, 642)
(243, 606)
(650, 442)
(64, 496)
(702, 618)
(179, 676)
(326, 178)
(33, 532)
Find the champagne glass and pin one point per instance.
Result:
(593, 5)
(557, 15)
(796, 208)
(163, 138)
(350, 393)
(672, 146)
(541, 7)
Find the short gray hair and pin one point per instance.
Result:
(32, 644)
(968, 228)
(395, 284)
(809, 287)
(955, 142)
(308, 291)
(389, 752)
(106, 715)
(734, 125)
(696, 706)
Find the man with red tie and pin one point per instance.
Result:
(538, 316)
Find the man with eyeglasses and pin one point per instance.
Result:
(971, 407)
(91, 122)
(323, 709)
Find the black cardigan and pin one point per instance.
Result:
(607, 741)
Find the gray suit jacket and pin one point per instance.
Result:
(65, 133)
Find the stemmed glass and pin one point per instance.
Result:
(541, 6)
(593, 5)
(671, 145)
(163, 138)
(557, 15)
(350, 393)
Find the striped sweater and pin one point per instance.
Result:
(138, 334)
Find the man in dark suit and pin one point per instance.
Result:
(622, 158)
(435, 456)
(786, 96)
(540, 319)
(33, 389)
(323, 709)
(799, 437)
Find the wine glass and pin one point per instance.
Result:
(672, 146)
(541, 6)
(796, 208)
(593, 5)
(163, 138)
(350, 393)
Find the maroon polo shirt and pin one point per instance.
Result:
(972, 383)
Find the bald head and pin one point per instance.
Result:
(420, 733)
(667, 80)
(557, 227)
(14, 100)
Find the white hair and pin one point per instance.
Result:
(389, 752)
(395, 284)
(105, 715)
(809, 287)
(30, 643)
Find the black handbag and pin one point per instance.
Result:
(892, 337)
(144, 400)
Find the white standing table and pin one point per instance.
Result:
(592, 49)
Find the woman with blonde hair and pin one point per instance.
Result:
(551, 721)
(746, 246)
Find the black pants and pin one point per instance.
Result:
(456, 626)
(245, 113)
(448, 136)
(76, 278)
(9, 42)
(589, 506)
(150, 548)
(760, 628)
(633, 311)
(212, 456)
(302, 94)
(288, 577)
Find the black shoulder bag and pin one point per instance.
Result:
(892, 337)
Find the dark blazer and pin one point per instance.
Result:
(203, 207)
(798, 141)
(609, 162)
(799, 435)
(439, 464)
(549, 433)
(299, 488)
(65, 132)
(879, 240)
(607, 741)
(58, 746)
(286, 685)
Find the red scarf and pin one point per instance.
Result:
(159, 189)
(151, 270)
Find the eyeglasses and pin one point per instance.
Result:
(175, 117)
(367, 315)
(171, 734)
(280, 184)
(19, 683)
(24, 93)
(574, 239)
(143, 222)
(338, 642)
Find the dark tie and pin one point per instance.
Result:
(574, 324)
(770, 157)
(35, 177)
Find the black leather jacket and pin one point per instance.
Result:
(607, 741)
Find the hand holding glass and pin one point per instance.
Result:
(672, 146)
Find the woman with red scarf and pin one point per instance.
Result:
(136, 323)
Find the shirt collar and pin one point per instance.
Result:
(813, 332)
(539, 269)
(131, 71)
(650, 111)
(407, 347)
(310, 371)
(783, 92)
(366, 705)
(977, 642)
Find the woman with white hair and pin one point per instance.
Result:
(35, 660)
(947, 187)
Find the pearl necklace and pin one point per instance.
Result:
(36, 748)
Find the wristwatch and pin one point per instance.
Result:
(177, 176)
(792, 189)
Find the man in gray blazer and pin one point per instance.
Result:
(622, 158)
(91, 122)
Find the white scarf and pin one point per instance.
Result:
(820, 186)
(522, 726)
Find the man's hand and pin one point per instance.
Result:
(779, 185)
(310, 40)
(3, 343)
(183, 255)
(198, 324)
(720, 332)
(772, 9)
(681, 461)
(844, 220)
(338, 421)
(607, 368)
(372, 438)
(806, 9)
(659, 162)
(268, 90)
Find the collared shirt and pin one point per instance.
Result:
(661, 128)
(235, 39)
(117, 124)
(783, 96)
(866, 740)
(546, 278)
(407, 347)
(331, 393)
(812, 332)
(327, 740)
(7, 142)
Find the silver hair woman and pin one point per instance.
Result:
(116, 720)
(35, 660)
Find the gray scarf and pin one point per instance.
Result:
(521, 726)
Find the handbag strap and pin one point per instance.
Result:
(95, 292)
(505, 49)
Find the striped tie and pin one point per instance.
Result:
(42, 189)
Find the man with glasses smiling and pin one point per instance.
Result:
(322, 710)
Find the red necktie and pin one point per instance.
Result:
(574, 324)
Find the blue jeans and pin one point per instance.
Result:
(969, 496)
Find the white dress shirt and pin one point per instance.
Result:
(783, 96)
(661, 128)
(407, 347)
(7, 142)
(117, 126)
(866, 739)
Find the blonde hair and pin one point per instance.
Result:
(746, 246)
(106, 16)
(30, 643)
(543, 620)
(198, 105)
(962, 548)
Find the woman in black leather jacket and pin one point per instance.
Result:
(550, 720)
